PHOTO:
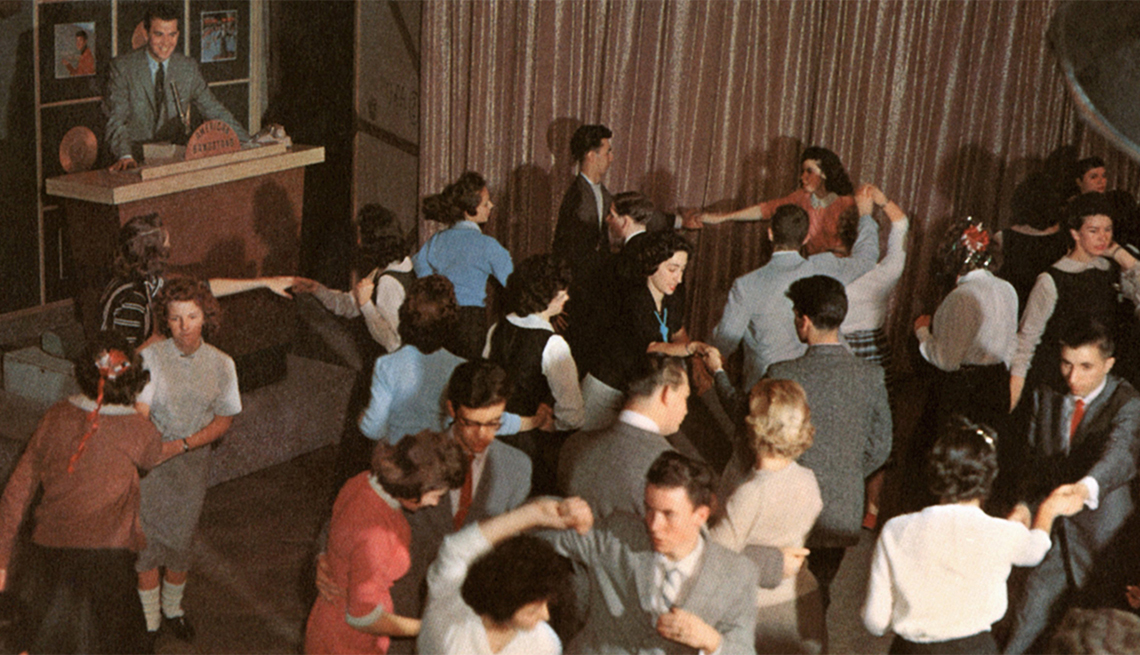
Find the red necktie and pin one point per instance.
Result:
(1078, 414)
(465, 495)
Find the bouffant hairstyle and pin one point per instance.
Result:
(188, 289)
(654, 371)
(429, 314)
(535, 282)
(1085, 165)
(963, 463)
(635, 205)
(658, 247)
(1085, 205)
(120, 389)
(521, 570)
(381, 241)
(820, 298)
(142, 248)
(789, 227)
(835, 177)
(775, 407)
(587, 138)
(419, 463)
(457, 201)
(672, 469)
(477, 384)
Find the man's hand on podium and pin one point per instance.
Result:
(126, 163)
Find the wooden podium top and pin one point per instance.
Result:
(105, 187)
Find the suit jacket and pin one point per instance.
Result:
(133, 116)
(621, 561)
(1104, 447)
(759, 314)
(607, 467)
(848, 401)
(580, 236)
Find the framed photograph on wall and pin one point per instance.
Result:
(219, 38)
(75, 49)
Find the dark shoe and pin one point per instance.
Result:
(179, 627)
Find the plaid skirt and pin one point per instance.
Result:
(871, 345)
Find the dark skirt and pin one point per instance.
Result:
(471, 333)
(982, 643)
(81, 600)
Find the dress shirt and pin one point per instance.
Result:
(637, 420)
(686, 566)
(596, 187)
(478, 461)
(1067, 410)
(1039, 309)
(976, 324)
(382, 314)
(630, 236)
(467, 257)
(558, 367)
(450, 625)
(869, 295)
(941, 573)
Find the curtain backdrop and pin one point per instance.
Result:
(945, 105)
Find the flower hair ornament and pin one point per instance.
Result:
(966, 248)
(111, 364)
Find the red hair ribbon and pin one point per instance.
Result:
(111, 364)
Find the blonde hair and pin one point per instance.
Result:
(773, 409)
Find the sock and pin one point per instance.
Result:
(172, 599)
(150, 605)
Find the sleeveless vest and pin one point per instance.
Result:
(519, 351)
(1089, 293)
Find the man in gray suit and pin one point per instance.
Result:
(607, 467)
(659, 584)
(1083, 442)
(141, 97)
(759, 316)
(848, 401)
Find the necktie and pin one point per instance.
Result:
(671, 586)
(465, 495)
(1078, 414)
(159, 92)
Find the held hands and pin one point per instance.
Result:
(279, 284)
(922, 322)
(691, 219)
(565, 514)
(713, 359)
(305, 285)
(688, 629)
(794, 560)
(362, 292)
(1021, 514)
(1067, 499)
(543, 419)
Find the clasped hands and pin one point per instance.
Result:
(1065, 500)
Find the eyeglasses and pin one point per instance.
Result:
(475, 425)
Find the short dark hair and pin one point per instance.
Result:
(671, 469)
(419, 463)
(535, 282)
(653, 371)
(182, 289)
(477, 384)
(160, 11)
(122, 388)
(1102, 630)
(587, 138)
(1087, 164)
(429, 314)
(1036, 202)
(835, 177)
(142, 248)
(1084, 330)
(963, 463)
(457, 201)
(518, 571)
(1085, 205)
(789, 227)
(849, 226)
(820, 298)
(659, 247)
(81, 34)
(381, 240)
(635, 205)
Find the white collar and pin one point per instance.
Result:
(640, 231)
(531, 321)
(384, 495)
(639, 420)
(687, 565)
(974, 275)
(1092, 395)
(88, 405)
(405, 265)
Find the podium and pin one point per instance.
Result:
(236, 218)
